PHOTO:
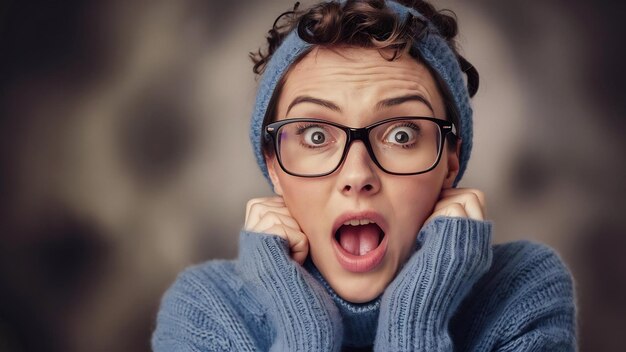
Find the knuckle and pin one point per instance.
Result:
(456, 209)
(478, 193)
(481, 196)
(301, 238)
(274, 216)
(250, 204)
(256, 207)
(456, 206)
(473, 198)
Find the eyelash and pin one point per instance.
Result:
(409, 125)
(304, 126)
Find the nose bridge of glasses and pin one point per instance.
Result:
(359, 134)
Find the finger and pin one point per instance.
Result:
(469, 201)
(257, 210)
(456, 191)
(273, 218)
(455, 210)
(298, 242)
(471, 209)
(264, 200)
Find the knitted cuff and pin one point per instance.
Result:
(302, 314)
(418, 305)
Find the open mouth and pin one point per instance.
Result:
(359, 237)
(360, 243)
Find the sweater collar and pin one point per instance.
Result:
(359, 319)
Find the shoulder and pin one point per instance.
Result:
(210, 285)
(524, 274)
(205, 282)
(221, 274)
(530, 265)
(526, 297)
(204, 307)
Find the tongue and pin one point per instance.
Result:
(358, 240)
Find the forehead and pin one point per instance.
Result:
(358, 77)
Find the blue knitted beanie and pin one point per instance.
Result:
(434, 50)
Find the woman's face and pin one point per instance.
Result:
(347, 85)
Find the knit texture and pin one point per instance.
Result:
(456, 292)
(416, 309)
(302, 313)
(434, 50)
(359, 319)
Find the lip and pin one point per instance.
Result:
(368, 261)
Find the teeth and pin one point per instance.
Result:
(357, 222)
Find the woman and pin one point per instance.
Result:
(363, 126)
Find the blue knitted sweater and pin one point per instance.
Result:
(456, 292)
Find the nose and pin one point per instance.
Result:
(358, 174)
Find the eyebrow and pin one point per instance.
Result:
(379, 106)
(403, 99)
(307, 99)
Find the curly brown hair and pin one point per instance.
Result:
(365, 24)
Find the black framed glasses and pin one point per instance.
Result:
(407, 145)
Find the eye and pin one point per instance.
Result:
(402, 135)
(314, 135)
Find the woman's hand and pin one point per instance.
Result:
(461, 203)
(271, 216)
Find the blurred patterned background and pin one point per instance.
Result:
(124, 153)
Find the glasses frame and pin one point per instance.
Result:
(359, 134)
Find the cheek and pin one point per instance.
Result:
(413, 203)
(414, 200)
(417, 203)
(306, 199)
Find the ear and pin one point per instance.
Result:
(453, 165)
(270, 161)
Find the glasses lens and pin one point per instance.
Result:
(310, 148)
(406, 146)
